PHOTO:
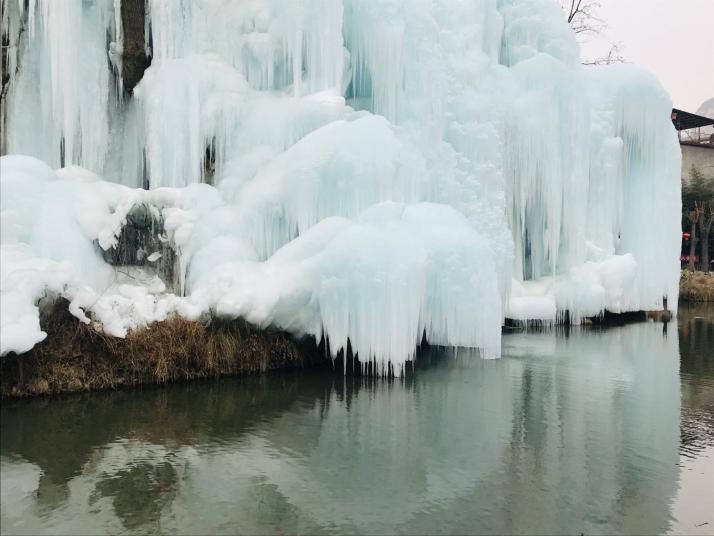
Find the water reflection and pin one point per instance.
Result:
(576, 433)
(696, 347)
(139, 492)
(691, 507)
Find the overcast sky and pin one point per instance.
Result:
(674, 39)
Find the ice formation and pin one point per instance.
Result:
(364, 171)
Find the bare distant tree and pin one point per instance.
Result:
(698, 214)
(693, 216)
(706, 220)
(613, 56)
(583, 18)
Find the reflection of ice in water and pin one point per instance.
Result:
(600, 429)
(564, 434)
(19, 483)
(393, 452)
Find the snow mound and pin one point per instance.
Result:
(382, 280)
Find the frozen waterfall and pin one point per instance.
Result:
(367, 171)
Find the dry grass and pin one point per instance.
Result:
(696, 286)
(76, 357)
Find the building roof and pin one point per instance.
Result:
(684, 120)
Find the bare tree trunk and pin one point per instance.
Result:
(692, 245)
(705, 252)
(574, 9)
(705, 225)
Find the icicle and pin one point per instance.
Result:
(56, 96)
(116, 49)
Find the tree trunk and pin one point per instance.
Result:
(692, 246)
(704, 230)
(705, 253)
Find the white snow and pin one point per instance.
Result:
(375, 170)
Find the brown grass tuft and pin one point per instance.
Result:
(696, 286)
(77, 357)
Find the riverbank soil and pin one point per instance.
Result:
(77, 357)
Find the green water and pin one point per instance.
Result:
(592, 431)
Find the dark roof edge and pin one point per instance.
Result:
(685, 120)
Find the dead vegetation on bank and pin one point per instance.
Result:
(76, 357)
(696, 286)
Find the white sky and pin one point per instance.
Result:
(674, 39)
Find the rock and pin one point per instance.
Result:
(134, 58)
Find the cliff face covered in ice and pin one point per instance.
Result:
(372, 171)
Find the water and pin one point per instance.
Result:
(594, 431)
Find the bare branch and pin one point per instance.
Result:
(583, 18)
(613, 56)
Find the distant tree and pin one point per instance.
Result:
(613, 56)
(583, 18)
(693, 218)
(698, 214)
(697, 188)
(706, 219)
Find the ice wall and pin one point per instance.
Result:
(305, 119)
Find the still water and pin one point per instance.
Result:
(593, 431)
